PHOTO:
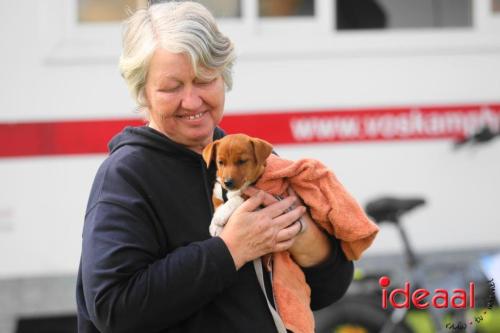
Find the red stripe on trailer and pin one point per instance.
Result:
(414, 123)
(297, 127)
(60, 137)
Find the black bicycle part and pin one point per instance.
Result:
(390, 209)
(360, 314)
(483, 135)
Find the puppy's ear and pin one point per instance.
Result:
(209, 152)
(262, 149)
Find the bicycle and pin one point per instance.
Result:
(362, 312)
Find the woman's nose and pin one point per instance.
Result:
(191, 99)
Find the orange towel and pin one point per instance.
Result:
(332, 208)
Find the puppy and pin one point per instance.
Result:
(240, 161)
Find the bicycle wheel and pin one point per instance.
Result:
(357, 315)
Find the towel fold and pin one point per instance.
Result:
(333, 209)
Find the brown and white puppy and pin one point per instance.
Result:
(240, 161)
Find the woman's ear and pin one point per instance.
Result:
(262, 149)
(209, 152)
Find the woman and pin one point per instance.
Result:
(148, 262)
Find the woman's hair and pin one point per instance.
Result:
(179, 27)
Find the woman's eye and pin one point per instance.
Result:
(203, 82)
(170, 89)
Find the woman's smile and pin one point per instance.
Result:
(191, 117)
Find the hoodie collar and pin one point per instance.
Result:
(148, 137)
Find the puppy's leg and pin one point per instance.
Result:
(223, 213)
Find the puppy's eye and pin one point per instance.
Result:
(221, 163)
(241, 162)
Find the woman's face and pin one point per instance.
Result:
(181, 106)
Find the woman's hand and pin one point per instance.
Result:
(309, 244)
(252, 233)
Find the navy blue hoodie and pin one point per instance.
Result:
(148, 262)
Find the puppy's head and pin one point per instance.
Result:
(240, 159)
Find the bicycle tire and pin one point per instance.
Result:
(355, 314)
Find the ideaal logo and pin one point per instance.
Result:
(441, 299)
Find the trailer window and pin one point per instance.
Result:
(495, 6)
(105, 11)
(276, 8)
(93, 11)
(401, 14)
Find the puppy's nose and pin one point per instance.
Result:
(229, 183)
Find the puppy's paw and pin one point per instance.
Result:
(215, 229)
(219, 219)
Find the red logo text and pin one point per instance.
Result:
(422, 298)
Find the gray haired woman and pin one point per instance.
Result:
(148, 263)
